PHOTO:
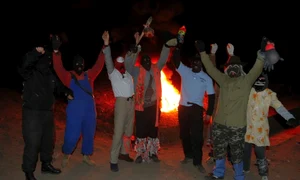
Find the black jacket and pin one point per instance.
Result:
(40, 81)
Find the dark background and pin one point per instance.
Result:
(83, 23)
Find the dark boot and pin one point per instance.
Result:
(114, 167)
(30, 176)
(48, 168)
(154, 158)
(125, 157)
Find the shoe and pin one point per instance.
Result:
(264, 178)
(48, 168)
(211, 176)
(30, 176)
(87, 160)
(114, 167)
(186, 160)
(125, 157)
(200, 168)
(65, 160)
(139, 160)
(154, 158)
(246, 171)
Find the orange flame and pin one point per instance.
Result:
(170, 95)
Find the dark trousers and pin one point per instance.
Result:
(260, 156)
(145, 123)
(38, 135)
(191, 131)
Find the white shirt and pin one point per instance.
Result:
(122, 87)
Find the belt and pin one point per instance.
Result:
(130, 98)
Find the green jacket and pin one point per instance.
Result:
(234, 92)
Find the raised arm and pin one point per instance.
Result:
(176, 57)
(98, 66)
(28, 63)
(107, 53)
(130, 60)
(61, 72)
(209, 66)
(165, 52)
(256, 69)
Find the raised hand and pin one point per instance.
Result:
(137, 37)
(214, 48)
(230, 49)
(200, 46)
(105, 37)
(56, 43)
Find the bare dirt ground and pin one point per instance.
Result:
(283, 155)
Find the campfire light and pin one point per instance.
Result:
(170, 95)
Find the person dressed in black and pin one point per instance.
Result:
(39, 87)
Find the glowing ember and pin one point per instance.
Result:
(170, 95)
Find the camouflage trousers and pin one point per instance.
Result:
(224, 136)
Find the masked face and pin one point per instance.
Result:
(261, 83)
(146, 62)
(196, 65)
(78, 64)
(119, 65)
(233, 70)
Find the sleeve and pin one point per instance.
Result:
(255, 71)
(211, 69)
(61, 72)
(182, 69)
(108, 60)
(278, 106)
(210, 86)
(97, 68)
(28, 64)
(130, 60)
(164, 54)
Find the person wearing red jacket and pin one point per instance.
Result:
(81, 111)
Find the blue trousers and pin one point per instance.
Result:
(81, 120)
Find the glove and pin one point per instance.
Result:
(172, 42)
(55, 42)
(263, 44)
(293, 122)
(214, 48)
(200, 46)
(230, 49)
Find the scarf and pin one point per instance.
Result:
(140, 94)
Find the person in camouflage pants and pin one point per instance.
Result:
(230, 122)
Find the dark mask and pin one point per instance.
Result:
(196, 64)
(44, 63)
(146, 62)
(233, 70)
(78, 64)
(261, 83)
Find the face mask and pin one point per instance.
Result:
(196, 65)
(119, 65)
(146, 62)
(233, 70)
(261, 83)
(78, 64)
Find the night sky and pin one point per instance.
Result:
(84, 22)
